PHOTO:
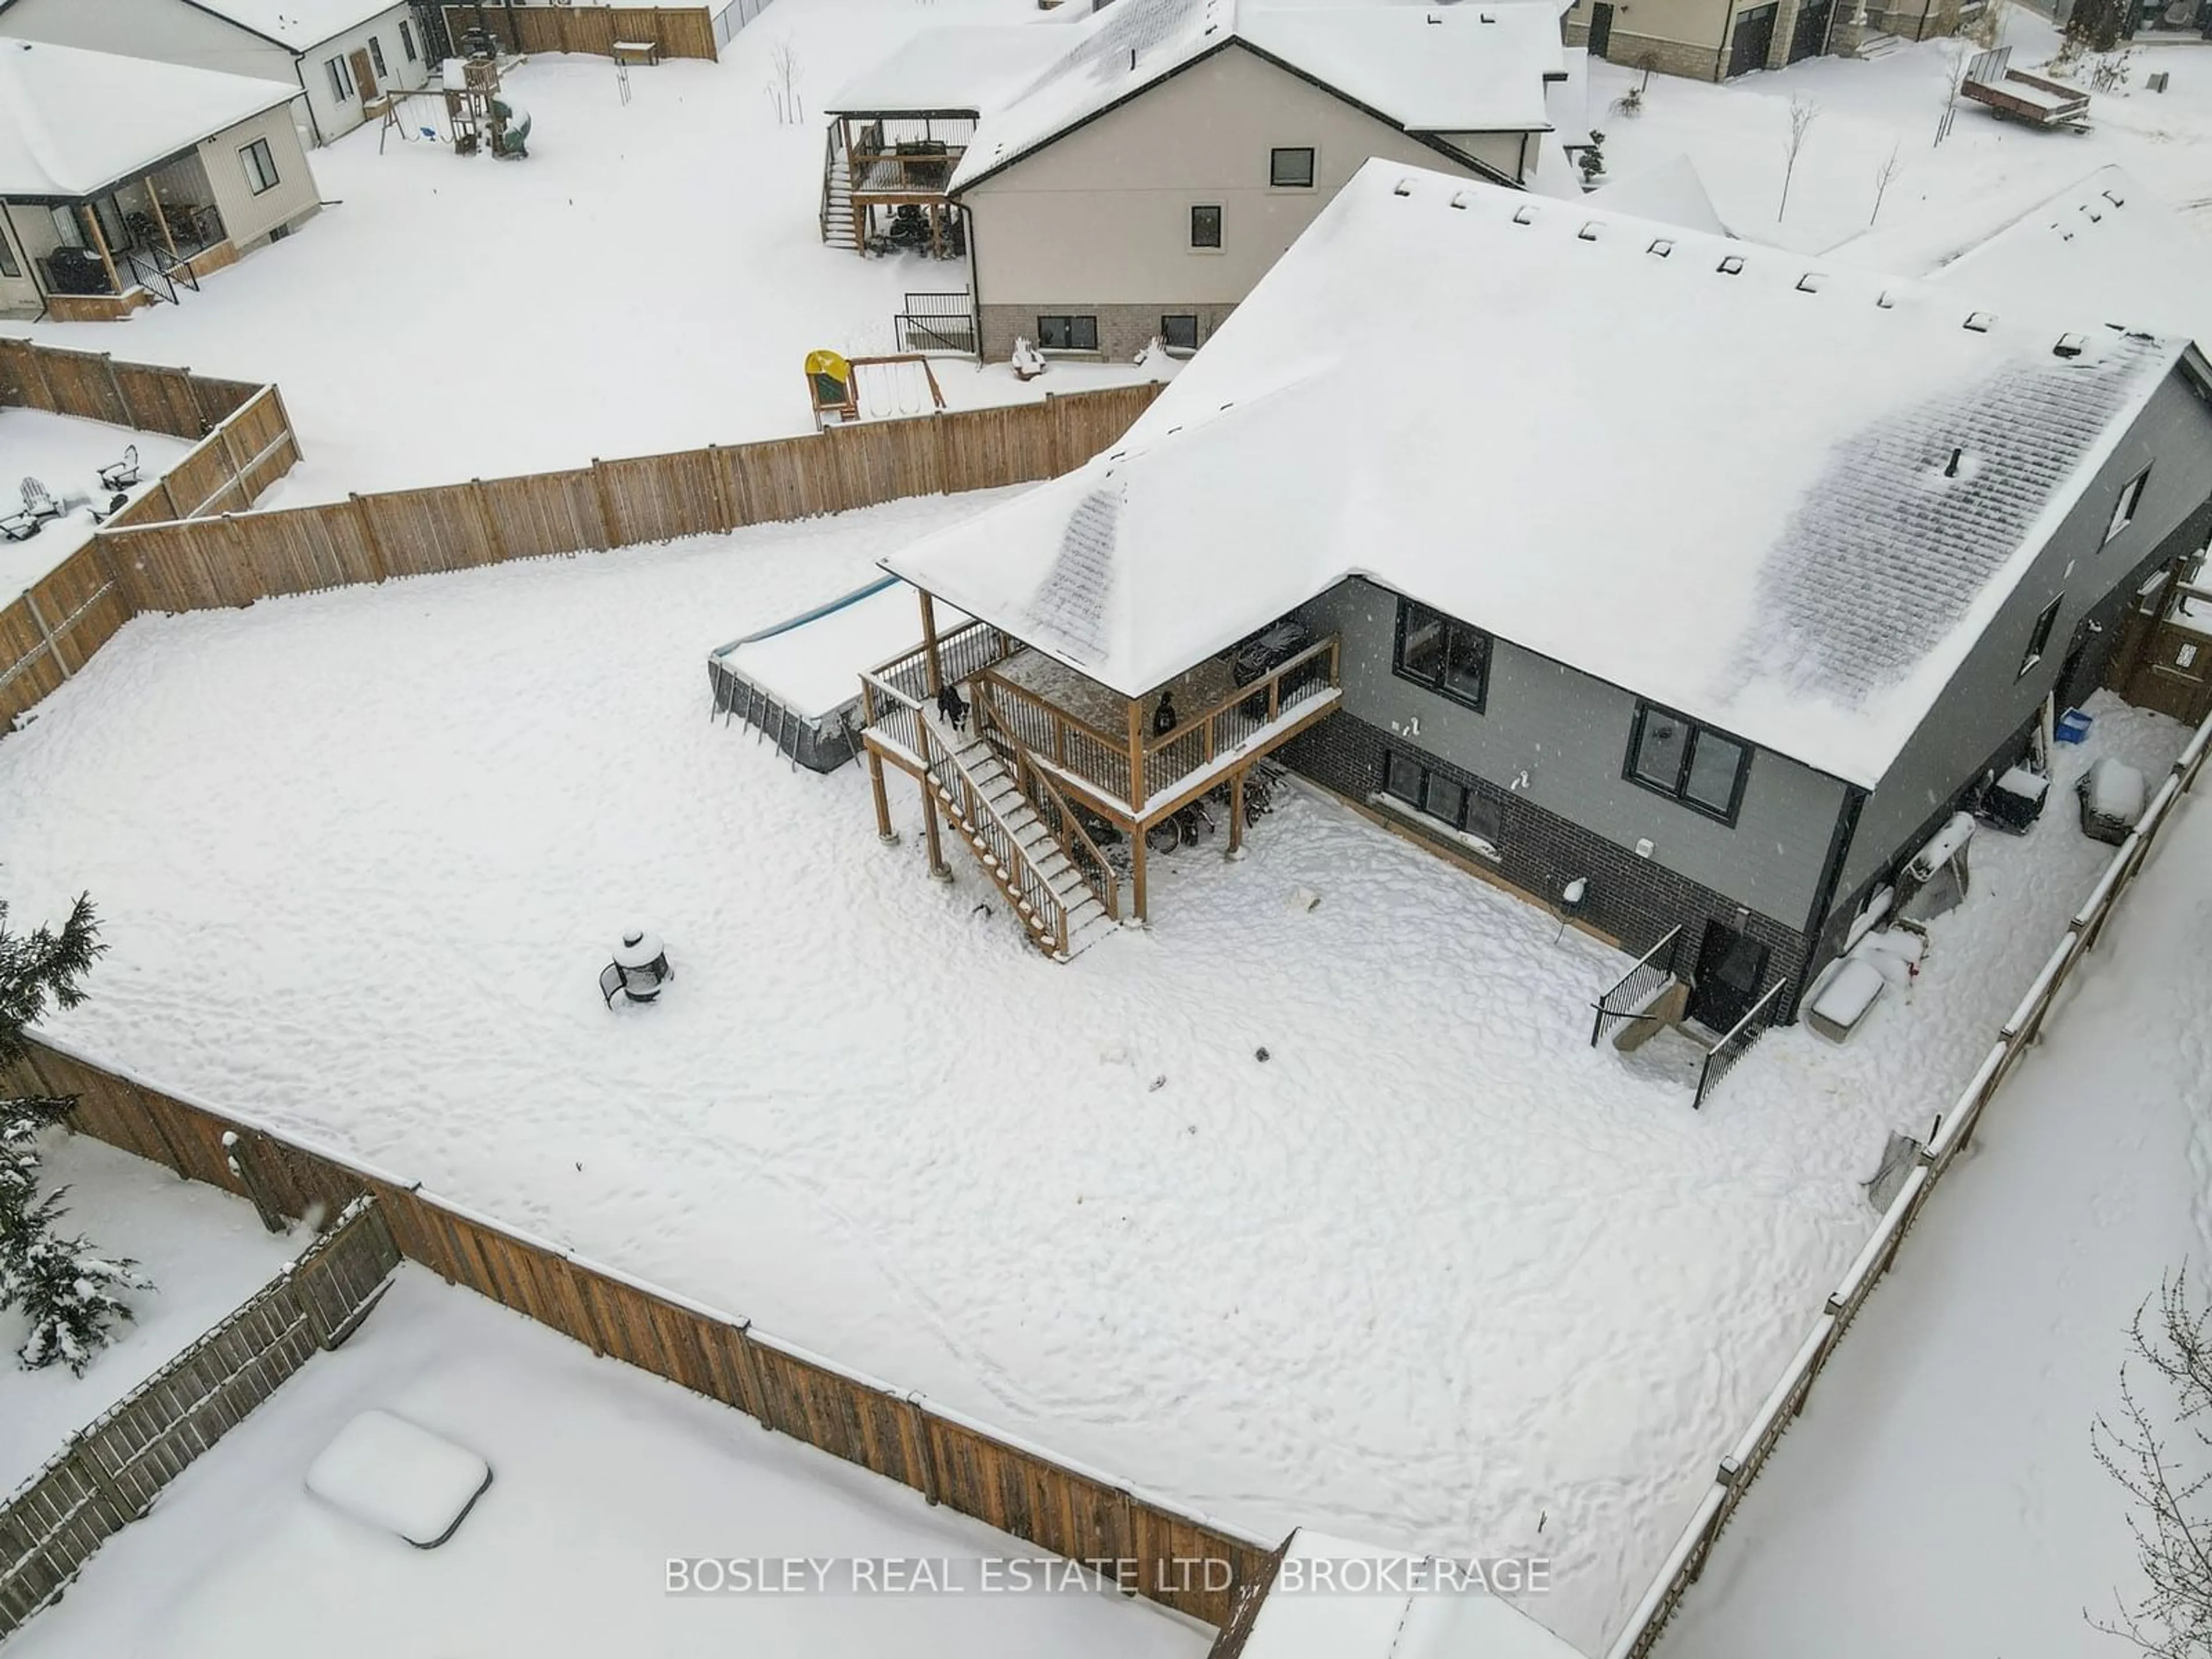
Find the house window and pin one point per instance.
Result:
(8, 265)
(376, 57)
(1206, 227)
(407, 41)
(1067, 334)
(1448, 657)
(2123, 510)
(1467, 813)
(1702, 767)
(260, 166)
(2039, 640)
(341, 78)
(1291, 169)
(1179, 331)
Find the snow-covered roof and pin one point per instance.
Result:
(2104, 248)
(970, 67)
(299, 24)
(1336, 1599)
(1711, 473)
(1462, 68)
(73, 122)
(1670, 191)
(1566, 102)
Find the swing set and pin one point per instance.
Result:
(844, 390)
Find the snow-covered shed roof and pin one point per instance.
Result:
(1670, 191)
(73, 122)
(1336, 1599)
(1462, 68)
(968, 67)
(1720, 476)
(299, 24)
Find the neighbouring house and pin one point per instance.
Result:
(1720, 39)
(1683, 587)
(1130, 175)
(338, 55)
(124, 180)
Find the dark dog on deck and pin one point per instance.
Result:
(952, 707)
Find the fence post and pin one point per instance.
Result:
(115, 1509)
(241, 1165)
(230, 460)
(46, 635)
(717, 487)
(749, 1369)
(115, 386)
(493, 540)
(608, 539)
(367, 521)
(920, 1418)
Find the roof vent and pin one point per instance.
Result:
(1133, 59)
(1404, 187)
(1433, 18)
(1951, 466)
(1885, 300)
(1589, 232)
(1661, 247)
(1980, 321)
(1459, 199)
(2116, 199)
(1524, 215)
(2070, 345)
(1731, 264)
(1810, 283)
(1490, 17)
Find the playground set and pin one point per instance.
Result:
(478, 113)
(843, 389)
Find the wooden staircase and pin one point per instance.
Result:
(1017, 849)
(837, 193)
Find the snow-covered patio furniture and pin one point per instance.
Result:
(639, 970)
(121, 474)
(2112, 794)
(386, 1473)
(1844, 1000)
(38, 501)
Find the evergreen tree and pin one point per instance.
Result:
(2097, 25)
(64, 1285)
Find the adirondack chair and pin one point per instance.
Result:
(121, 474)
(38, 501)
(19, 526)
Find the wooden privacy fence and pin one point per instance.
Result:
(679, 31)
(109, 1474)
(1949, 1137)
(949, 1458)
(245, 443)
(238, 559)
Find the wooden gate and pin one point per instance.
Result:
(2174, 673)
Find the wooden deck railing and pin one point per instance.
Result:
(1098, 758)
(962, 652)
(1202, 741)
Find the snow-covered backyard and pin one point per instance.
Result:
(1432, 1271)
(205, 1250)
(1940, 1495)
(650, 278)
(66, 455)
(1984, 171)
(600, 1474)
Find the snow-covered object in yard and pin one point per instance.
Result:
(1429, 70)
(1816, 603)
(389, 1474)
(1939, 848)
(75, 123)
(1843, 1000)
(1336, 1599)
(2112, 796)
(1670, 192)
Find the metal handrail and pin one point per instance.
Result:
(1604, 1005)
(1721, 1057)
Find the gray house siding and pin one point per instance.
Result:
(1980, 721)
(1560, 739)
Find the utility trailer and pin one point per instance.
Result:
(1992, 81)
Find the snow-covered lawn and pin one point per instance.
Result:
(205, 1250)
(600, 1474)
(1986, 169)
(651, 278)
(65, 455)
(1432, 1272)
(1939, 1496)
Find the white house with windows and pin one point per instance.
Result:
(338, 55)
(124, 181)
(1132, 174)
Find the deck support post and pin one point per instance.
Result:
(1136, 757)
(930, 663)
(161, 219)
(938, 870)
(100, 243)
(885, 833)
(1139, 911)
(1236, 815)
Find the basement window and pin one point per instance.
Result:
(1471, 816)
(1067, 332)
(1179, 331)
(1671, 755)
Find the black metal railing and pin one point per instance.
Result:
(1721, 1057)
(1626, 1001)
(137, 266)
(937, 322)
